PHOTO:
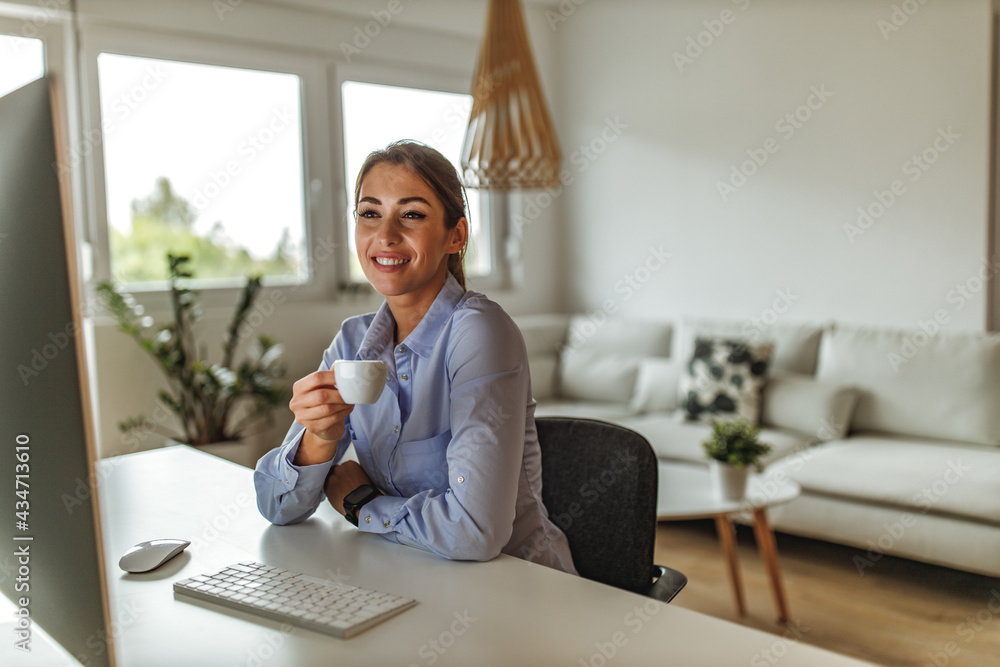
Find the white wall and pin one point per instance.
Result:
(432, 36)
(656, 183)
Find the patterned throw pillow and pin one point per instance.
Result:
(724, 379)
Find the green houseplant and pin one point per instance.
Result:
(214, 402)
(732, 449)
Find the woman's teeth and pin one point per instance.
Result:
(385, 261)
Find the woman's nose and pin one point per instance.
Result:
(388, 231)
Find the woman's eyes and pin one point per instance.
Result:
(371, 213)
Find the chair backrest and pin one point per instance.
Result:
(599, 486)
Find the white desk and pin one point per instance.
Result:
(515, 612)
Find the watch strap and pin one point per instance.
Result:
(353, 504)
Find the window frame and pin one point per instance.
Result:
(495, 205)
(324, 236)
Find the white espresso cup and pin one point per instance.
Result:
(359, 381)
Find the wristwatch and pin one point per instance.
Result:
(356, 499)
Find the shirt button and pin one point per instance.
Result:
(461, 479)
(405, 376)
(395, 429)
(386, 524)
(368, 519)
(402, 349)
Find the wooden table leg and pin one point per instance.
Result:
(769, 552)
(726, 536)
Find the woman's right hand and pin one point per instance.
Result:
(318, 407)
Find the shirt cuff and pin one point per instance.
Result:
(306, 476)
(381, 514)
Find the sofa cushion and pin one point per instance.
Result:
(795, 344)
(656, 385)
(640, 337)
(800, 403)
(544, 336)
(673, 438)
(920, 476)
(612, 412)
(544, 378)
(594, 375)
(724, 379)
(945, 387)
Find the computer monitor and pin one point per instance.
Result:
(51, 563)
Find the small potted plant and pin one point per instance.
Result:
(732, 449)
(217, 404)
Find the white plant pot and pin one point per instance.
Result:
(236, 451)
(728, 482)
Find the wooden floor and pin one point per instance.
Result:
(899, 613)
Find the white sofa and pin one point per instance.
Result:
(893, 435)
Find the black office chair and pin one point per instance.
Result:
(599, 485)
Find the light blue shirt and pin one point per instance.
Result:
(451, 441)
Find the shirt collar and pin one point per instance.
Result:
(421, 340)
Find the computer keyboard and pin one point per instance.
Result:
(297, 599)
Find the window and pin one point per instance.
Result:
(202, 160)
(22, 61)
(376, 115)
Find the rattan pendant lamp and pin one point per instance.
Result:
(510, 143)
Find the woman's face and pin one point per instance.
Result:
(402, 242)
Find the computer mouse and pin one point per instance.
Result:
(150, 555)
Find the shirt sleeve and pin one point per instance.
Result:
(287, 493)
(473, 518)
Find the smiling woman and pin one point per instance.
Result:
(448, 454)
(411, 226)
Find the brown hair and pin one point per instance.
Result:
(437, 172)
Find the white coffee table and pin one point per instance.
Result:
(685, 492)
